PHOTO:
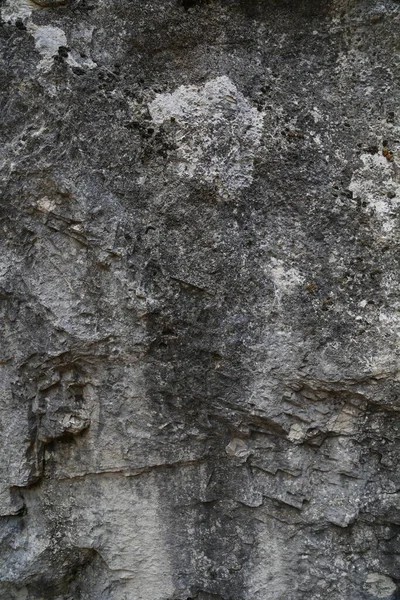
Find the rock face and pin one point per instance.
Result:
(200, 300)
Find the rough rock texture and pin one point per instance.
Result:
(200, 300)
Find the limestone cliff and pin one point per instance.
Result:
(200, 300)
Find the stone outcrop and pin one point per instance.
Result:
(200, 306)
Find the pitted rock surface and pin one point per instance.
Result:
(199, 269)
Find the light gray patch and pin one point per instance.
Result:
(217, 133)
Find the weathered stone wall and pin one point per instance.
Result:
(200, 300)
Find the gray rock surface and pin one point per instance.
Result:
(200, 300)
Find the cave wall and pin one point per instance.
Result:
(200, 304)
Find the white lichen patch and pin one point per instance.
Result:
(75, 60)
(16, 10)
(286, 279)
(48, 40)
(46, 205)
(374, 184)
(217, 133)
